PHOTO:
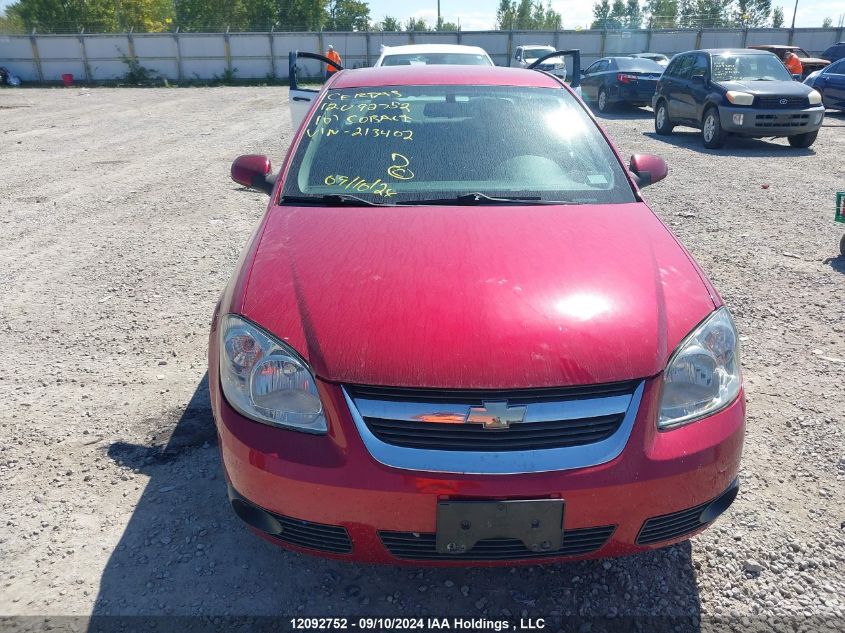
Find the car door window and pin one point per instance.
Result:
(518, 55)
(700, 66)
(836, 68)
(684, 70)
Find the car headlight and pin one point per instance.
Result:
(703, 375)
(740, 98)
(266, 380)
(815, 97)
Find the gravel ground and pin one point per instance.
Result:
(119, 227)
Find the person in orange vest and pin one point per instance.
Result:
(333, 55)
(793, 64)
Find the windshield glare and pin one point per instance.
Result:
(749, 68)
(428, 59)
(398, 145)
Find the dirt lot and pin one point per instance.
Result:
(118, 229)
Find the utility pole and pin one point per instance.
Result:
(794, 11)
(438, 15)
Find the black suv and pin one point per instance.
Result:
(736, 91)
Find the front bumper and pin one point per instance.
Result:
(322, 487)
(749, 121)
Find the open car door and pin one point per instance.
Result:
(575, 82)
(301, 97)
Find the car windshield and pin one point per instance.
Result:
(801, 52)
(422, 143)
(749, 68)
(429, 59)
(533, 52)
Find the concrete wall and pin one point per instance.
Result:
(187, 56)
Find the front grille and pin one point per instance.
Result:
(677, 524)
(435, 419)
(669, 526)
(475, 397)
(422, 546)
(474, 437)
(319, 536)
(781, 120)
(775, 102)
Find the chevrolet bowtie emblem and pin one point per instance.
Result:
(496, 415)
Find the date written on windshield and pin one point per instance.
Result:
(376, 187)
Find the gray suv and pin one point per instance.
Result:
(736, 91)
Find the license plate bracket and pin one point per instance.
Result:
(538, 523)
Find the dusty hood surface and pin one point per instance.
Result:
(475, 297)
(768, 88)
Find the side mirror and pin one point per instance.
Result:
(647, 169)
(253, 171)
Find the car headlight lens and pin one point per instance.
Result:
(815, 97)
(266, 380)
(703, 375)
(740, 98)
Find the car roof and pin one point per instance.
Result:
(452, 75)
(729, 51)
(778, 46)
(433, 48)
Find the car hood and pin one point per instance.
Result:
(768, 88)
(475, 297)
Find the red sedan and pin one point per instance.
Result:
(459, 335)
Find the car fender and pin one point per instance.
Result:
(712, 99)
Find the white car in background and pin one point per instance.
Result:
(526, 55)
(432, 54)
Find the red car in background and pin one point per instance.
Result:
(459, 335)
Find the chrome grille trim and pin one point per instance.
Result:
(537, 412)
(500, 462)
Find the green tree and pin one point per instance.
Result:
(298, 15)
(416, 24)
(143, 15)
(505, 15)
(11, 24)
(347, 15)
(553, 21)
(447, 26)
(826, 23)
(777, 17)
(618, 13)
(633, 14)
(523, 19)
(601, 13)
(702, 13)
(662, 14)
(64, 15)
(752, 13)
(389, 23)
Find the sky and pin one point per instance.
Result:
(481, 14)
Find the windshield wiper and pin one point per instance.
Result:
(333, 200)
(478, 198)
